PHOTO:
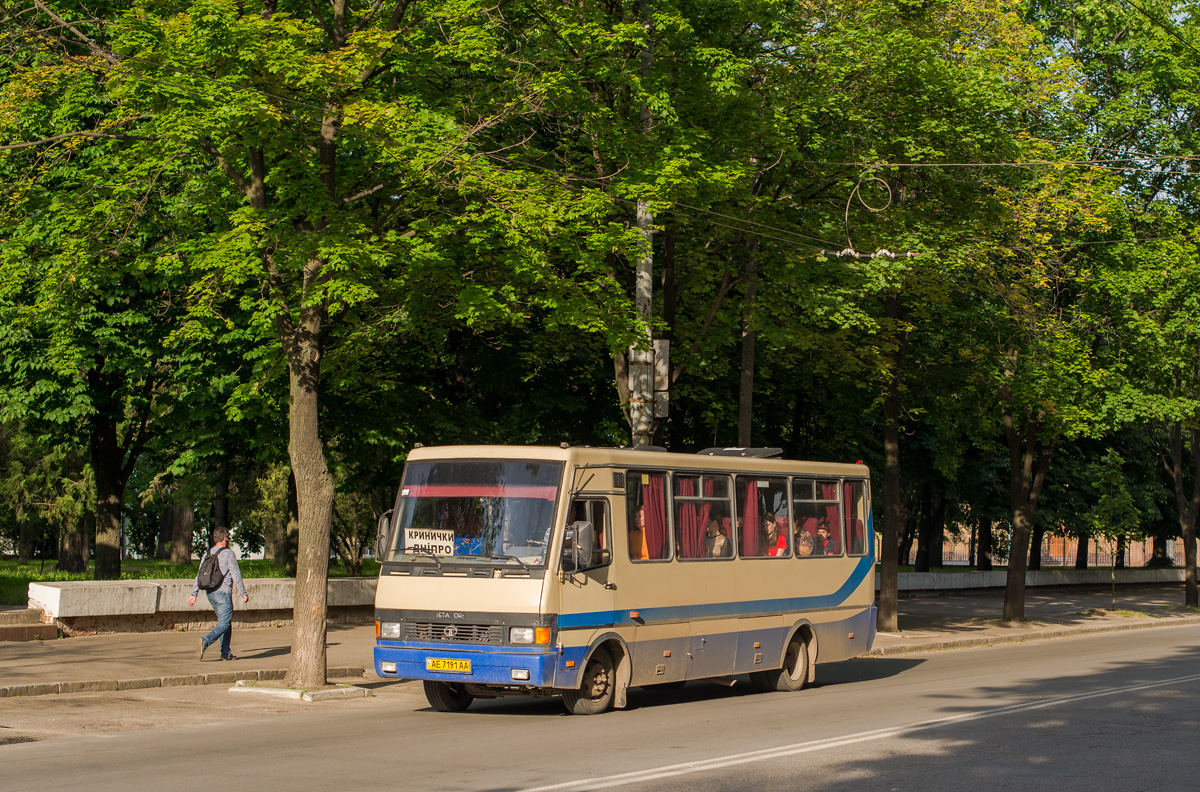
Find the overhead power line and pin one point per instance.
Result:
(786, 236)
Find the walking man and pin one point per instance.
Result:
(221, 598)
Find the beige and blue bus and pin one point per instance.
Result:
(581, 572)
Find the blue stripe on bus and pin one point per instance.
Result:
(865, 566)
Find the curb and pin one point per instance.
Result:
(327, 694)
(1031, 635)
(184, 680)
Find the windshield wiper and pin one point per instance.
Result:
(427, 554)
(497, 556)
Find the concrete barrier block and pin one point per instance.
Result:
(183, 680)
(139, 684)
(44, 597)
(94, 686)
(95, 597)
(967, 580)
(228, 677)
(348, 592)
(38, 689)
(265, 594)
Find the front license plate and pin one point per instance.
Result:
(447, 666)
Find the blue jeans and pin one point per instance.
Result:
(222, 604)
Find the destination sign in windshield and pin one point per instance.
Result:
(436, 541)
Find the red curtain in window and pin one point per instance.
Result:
(849, 506)
(751, 531)
(655, 501)
(828, 491)
(689, 526)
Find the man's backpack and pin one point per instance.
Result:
(210, 576)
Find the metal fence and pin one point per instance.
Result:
(1059, 551)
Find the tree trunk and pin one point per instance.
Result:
(314, 490)
(24, 541)
(166, 525)
(924, 530)
(888, 616)
(1035, 549)
(73, 547)
(746, 381)
(937, 536)
(908, 537)
(182, 530)
(221, 502)
(1158, 555)
(1028, 463)
(1081, 551)
(112, 464)
(984, 558)
(1187, 505)
(110, 492)
(291, 529)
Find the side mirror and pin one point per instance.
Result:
(585, 541)
(383, 538)
(578, 541)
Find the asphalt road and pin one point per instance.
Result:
(1117, 711)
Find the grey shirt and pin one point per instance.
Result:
(227, 561)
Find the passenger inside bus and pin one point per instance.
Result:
(774, 540)
(637, 535)
(804, 543)
(716, 541)
(821, 543)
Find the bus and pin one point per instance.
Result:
(581, 572)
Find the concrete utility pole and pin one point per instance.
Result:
(641, 361)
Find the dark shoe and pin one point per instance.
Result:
(229, 657)
(200, 647)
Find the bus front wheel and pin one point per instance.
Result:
(446, 697)
(595, 693)
(794, 674)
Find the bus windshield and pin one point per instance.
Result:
(478, 511)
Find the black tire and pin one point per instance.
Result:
(447, 697)
(794, 674)
(595, 694)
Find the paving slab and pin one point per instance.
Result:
(959, 620)
(128, 661)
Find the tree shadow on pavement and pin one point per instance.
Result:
(1120, 728)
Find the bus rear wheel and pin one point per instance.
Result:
(447, 697)
(794, 674)
(595, 693)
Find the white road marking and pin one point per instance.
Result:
(668, 771)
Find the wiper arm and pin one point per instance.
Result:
(495, 556)
(427, 554)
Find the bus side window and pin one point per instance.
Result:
(855, 502)
(763, 526)
(703, 522)
(818, 518)
(646, 516)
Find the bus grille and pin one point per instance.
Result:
(454, 633)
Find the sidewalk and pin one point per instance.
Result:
(129, 661)
(957, 621)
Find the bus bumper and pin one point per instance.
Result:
(488, 665)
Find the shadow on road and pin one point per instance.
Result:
(858, 670)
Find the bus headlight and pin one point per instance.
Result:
(520, 635)
(389, 630)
